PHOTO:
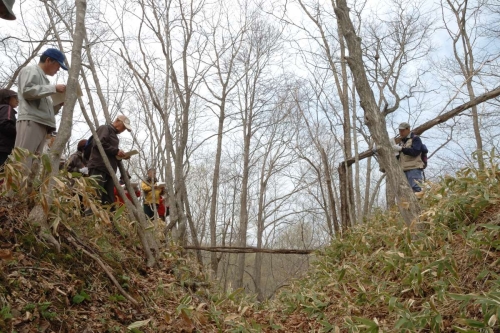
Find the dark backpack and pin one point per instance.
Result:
(423, 156)
(87, 149)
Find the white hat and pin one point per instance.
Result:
(125, 122)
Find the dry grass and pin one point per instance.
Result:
(380, 277)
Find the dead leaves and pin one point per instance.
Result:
(6, 254)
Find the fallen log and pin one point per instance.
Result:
(236, 249)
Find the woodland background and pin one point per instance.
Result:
(246, 108)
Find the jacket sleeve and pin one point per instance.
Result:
(8, 127)
(103, 134)
(71, 164)
(75, 163)
(57, 108)
(416, 147)
(7, 121)
(31, 90)
(146, 187)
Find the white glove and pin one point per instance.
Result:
(396, 148)
(84, 170)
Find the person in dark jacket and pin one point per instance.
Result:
(77, 162)
(8, 103)
(108, 136)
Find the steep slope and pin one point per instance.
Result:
(439, 276)
(382, 276)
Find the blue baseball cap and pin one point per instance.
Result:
(57, 56)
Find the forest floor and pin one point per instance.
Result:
(438, 275)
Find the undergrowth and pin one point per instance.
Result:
(387, 277)
(42, 290)
(440, 274)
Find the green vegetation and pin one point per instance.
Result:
(439, 275)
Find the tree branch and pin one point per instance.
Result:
(438, 120)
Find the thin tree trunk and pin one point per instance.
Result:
(358, 211)
(375, 120)
(214, 262)
(244, 205)
(368, 180)
(466, 64)
(192, 227)
(331, 198)
(39, 214)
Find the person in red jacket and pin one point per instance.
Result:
(8, 103)
(119, 199)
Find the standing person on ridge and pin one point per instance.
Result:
(108, 135)
(8, 105)
(36, 117)
(410, 151)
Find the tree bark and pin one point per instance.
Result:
(331, 198)
(375, 120)
(419, 130)
(39, 214)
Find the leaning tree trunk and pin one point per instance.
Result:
(374, 119)
(39, 214)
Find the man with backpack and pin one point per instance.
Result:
(410, 151)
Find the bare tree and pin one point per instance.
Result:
(273, 197)
(181, 67)
(332, 48)
(312, 131)
(463, 29)
(39, 214)
(375, 120)
(225, 42)
(256, 55)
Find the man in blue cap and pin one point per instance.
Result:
(6, 10)
(36, 114)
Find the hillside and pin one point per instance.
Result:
(440, 276)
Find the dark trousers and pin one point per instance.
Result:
(3, 158)
(149, 210)
(106, 182)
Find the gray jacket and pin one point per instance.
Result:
(34, 94)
